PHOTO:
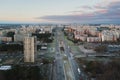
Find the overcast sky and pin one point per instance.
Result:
(60, 11)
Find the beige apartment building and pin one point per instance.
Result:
(30, 49)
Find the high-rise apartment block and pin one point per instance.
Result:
(30, 49)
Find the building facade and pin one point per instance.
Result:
(30, 49)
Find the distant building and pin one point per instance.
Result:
(100, 33)
(5, 67)
(45, 29)
(20, 37)
(30, 49)
(43, 48)
(109, 36)
(93, 39)
(6, 39)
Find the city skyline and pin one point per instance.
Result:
(60, 11)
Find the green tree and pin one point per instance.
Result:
(10, 34)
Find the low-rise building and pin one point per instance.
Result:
(93, 39)
(20, 37)
(108, 36)
(5, 67)
(6, 39)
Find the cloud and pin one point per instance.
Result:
(100, 14)
(86, 7)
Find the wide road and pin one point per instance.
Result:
(58, 73)
(65, 67)
(78, 73)
(74, 66)
(65, 58)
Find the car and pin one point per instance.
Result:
(79, 71)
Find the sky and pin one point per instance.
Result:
(60, 11)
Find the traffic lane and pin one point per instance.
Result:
(75, 69)
(59, 66)
(74, 66)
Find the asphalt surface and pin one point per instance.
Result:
(64, 69)
(59, 73)
(73, 63)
